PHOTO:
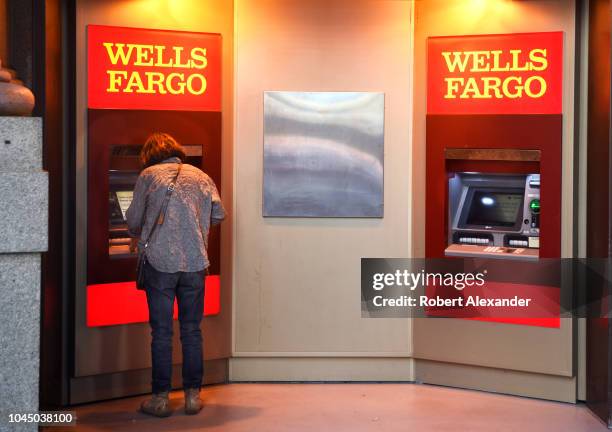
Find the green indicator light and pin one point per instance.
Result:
(534, 205)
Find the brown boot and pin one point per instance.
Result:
(158, 405)
(193, 403)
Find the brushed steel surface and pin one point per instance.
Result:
(323, 154)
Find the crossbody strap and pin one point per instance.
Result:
(159, 220)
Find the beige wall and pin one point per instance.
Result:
(490, 345)
(214, 16)
(297, 281)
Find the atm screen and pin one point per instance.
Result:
(492, 207)
(124, 199)
(495, 209)
(121, 192)
(116, 216)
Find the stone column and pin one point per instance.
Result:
(23, 237)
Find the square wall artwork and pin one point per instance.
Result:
(323, 154)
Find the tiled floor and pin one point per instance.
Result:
(343, 407)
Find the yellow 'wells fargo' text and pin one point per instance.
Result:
(159, 56)
(511, 86)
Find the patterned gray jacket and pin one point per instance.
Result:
(180, 243)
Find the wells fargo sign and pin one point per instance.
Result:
(131, 68)
(495, 74)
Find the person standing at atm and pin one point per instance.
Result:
(176, 261)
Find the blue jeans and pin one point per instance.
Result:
(162, 288)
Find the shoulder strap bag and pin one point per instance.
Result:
(142, 253)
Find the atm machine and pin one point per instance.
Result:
(122, 175)
(493, 215)
(112, 172)
(493, 201)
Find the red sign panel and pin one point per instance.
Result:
(495, 74)
(130, 68)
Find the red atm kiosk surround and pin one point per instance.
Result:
(113, 167)
(139, 81)
(142, 81)
(498, 135)
(493, 144)
(508, 140)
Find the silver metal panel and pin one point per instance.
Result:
(323, 154)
